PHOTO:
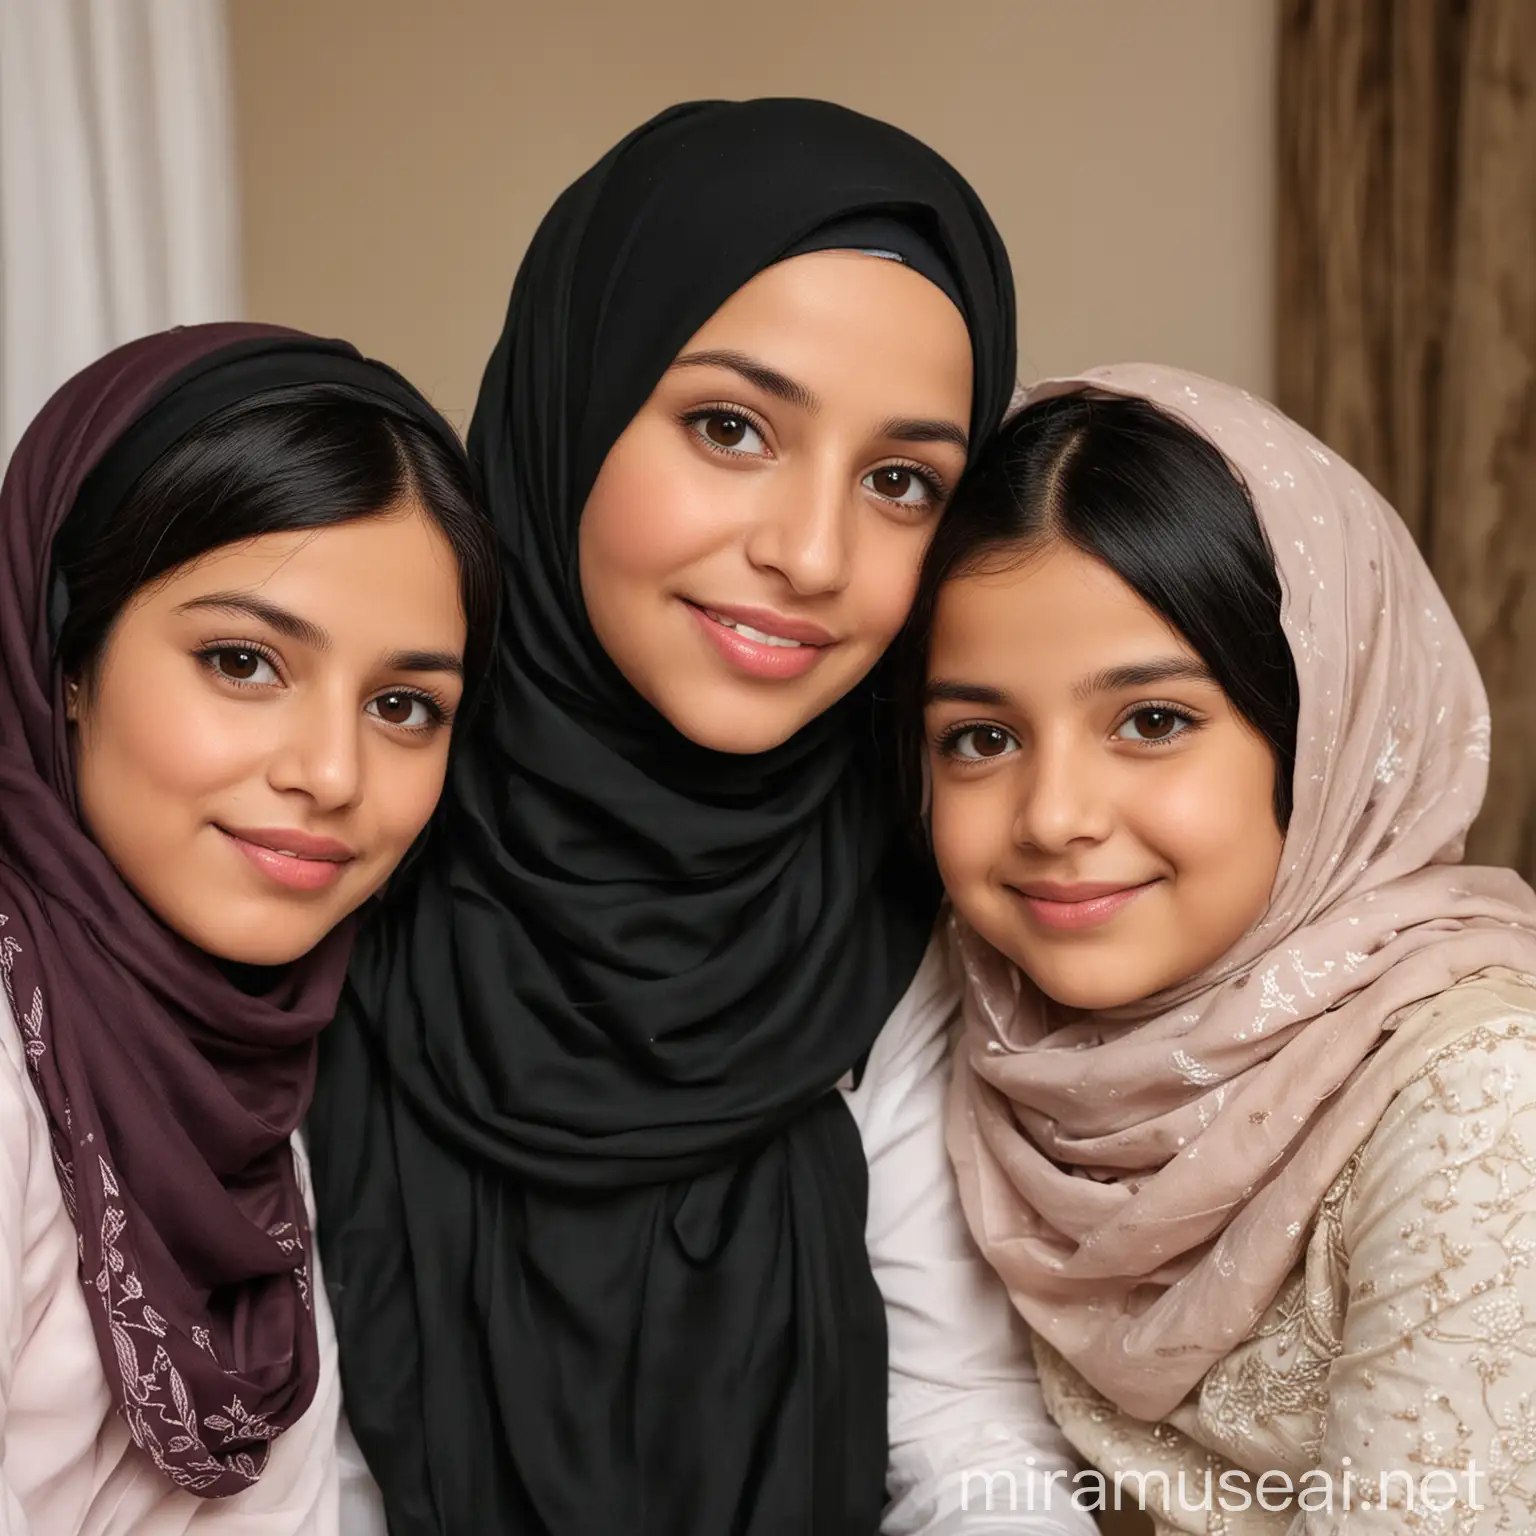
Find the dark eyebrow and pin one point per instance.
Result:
(909, 430)
(944, 690)
(1145, 674)
(767, 379)
(1168, 669)
(424, 661)
(250, 606)
(286, 622)
(903, 429)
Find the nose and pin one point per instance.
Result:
(805, 530)
(319, 752)
(1062, 798)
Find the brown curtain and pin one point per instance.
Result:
(1407, 311)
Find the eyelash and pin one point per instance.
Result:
(692, 418)
(938, 491)
(207, 656)
(1192, 722)
(949, 738)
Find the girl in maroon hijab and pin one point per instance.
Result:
(242, 587)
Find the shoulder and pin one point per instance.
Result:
(1480, 1049)
(1433, 1265)
(1466, 1112)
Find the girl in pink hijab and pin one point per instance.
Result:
(1244, 1109)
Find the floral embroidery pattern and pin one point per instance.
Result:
(156, 1404)
(1405, 1339)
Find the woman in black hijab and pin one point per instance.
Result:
(592, 1213)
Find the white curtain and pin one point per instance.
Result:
(117, 184)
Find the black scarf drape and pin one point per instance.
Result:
(591, 1216)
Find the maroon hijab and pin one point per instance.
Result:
(171, 1094)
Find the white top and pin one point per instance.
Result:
(963, 1393)
(964, 1398)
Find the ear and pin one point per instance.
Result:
(72, 699)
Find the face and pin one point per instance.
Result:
(752, 542)
(1101, 814)
(267, 730)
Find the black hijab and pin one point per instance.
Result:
(591, 1213)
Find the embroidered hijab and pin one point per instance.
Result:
(1143, 1178)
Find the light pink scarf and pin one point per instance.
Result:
(1144, 1179)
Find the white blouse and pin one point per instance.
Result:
(967, 1422)
(966, 1411)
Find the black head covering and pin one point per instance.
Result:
(592, 1214)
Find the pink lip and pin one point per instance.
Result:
(1071, 908)
(299, 860)
(772, 623)
(753, 657)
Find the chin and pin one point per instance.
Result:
(1084, 981)
(1094, 983)
(256, 941)
(742, 731)
(1088, 994)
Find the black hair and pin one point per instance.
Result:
(305, 456)
(1159, 505)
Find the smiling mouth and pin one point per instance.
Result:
(1074, 910)
(316, 868)
(747, 632)
(759, 650)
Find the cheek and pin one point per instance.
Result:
(163, 738)
(884, 578)
(404, 787)
(652, 511)
(1183, 820)
(1217, 825)
(968, 823)
(401, 789)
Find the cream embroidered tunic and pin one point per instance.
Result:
(1403, 1344)
(67, 1464)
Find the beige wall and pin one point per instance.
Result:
(396, 154)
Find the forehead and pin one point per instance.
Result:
(832, 313)
(373, 574)
(1054, 616)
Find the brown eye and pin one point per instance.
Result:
(1154, 725)
(403, 709)
(899, 484)
(727, 431)
(979, 742)
(240, 664)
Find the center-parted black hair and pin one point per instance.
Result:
(307, 456)
(1159, 505)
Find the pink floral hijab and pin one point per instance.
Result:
(1143, 1179)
